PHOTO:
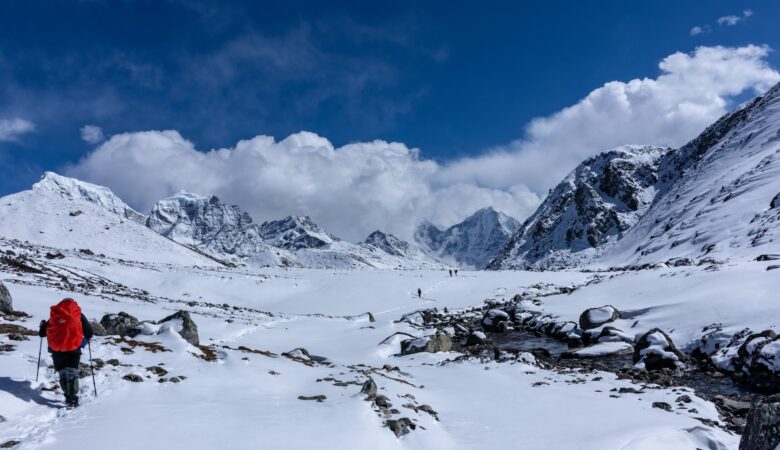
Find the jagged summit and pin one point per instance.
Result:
(473, 242)
(295, 233)
(587, 212)
(388, 243)
(81, 190)
(210, 225)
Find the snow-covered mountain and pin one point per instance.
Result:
(74, 216)
(715, 196)
(588, 212)
(295, 233)
(715, 193)
(471, 243)
(92, 193)
(212, 226)
(407, 255)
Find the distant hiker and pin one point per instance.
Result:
(419, 292)
(450, 272)
(456, 272)
(67, 332)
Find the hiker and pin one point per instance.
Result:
(67, 332)
(450, 272)
(456, 272)
(419, 292)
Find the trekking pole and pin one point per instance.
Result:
(38, 369)
(91, 368)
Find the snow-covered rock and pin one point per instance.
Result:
(439, 342)
(212, 226)
(182, 323)
(472, 243)
(588, 212)
(81, 190)
(495, 320)
(655, 350)
(121, 324)
(596, 317)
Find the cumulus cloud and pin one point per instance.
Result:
(691, 92)
(11, 129)
(92, 134)
(354, 189)
(730, 21)
(351, 190)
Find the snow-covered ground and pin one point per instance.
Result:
(246, 399)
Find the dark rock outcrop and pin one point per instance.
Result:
(762, 431)
(6, 302)
(121, 324)
(431, 344)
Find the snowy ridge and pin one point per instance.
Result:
(716, 193)
(472, 243)
(587, 212)
(295, 233)
(81, 190)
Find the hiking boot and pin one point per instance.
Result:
(72, 401)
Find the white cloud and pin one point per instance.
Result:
(11, 129)
(697, 30)
(359, 187)
(350, 190)
(730, 21)
(92, 134)
(691, 92)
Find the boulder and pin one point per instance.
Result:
(369, 388)
(121, 324)
(6, 302)
(656, 351)
(401, 426)
(762, 430)
(775, 203)
(97, 328)
(495, 321)
(757, 362)
(476, 338)
(185, 326)
(430, 344)
(596, 317)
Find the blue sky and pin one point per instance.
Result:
(452, 79)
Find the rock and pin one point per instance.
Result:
(185, 326)
(371, 318)
(400, 427)
(55, 255)
(382, 401)
(133, 377)
(772, 267)
(121, 324)
(476, 338)
(318, 398)
(683, 399)
(97, 328)
(679, 262)
(762, 430)
(775, 203)
(10, 444)
(430, 344)
(656, 351)
(493, 319)
(596, 317)
(6, 302)
(157, 370)
(768, 257)
(662, 405)
(756, 362)
(86, 251)
(369, 388)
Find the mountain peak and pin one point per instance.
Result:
(74, 189)
(388, 243)
(295, 233)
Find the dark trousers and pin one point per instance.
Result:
(64, 360)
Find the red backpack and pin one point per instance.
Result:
(64, 331)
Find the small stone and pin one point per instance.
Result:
(157, 370)
(400, 427)
(318, 398)
(369, 388)
(133, 377)
(683, 399)
(662, 405)
(382, 401)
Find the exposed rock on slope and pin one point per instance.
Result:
(212, 226)
(473, 242)
(295, 233)
(587, 212)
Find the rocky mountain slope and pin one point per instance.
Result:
(472, 243)
(211, 226)
(587, 212)
(713, 197)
